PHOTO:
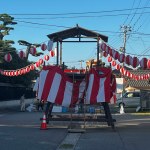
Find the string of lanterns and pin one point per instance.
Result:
(32, 51)
(27, 69)
(134, 62)
(127, 73)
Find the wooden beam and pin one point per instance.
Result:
(60, 53)
(57, 51)
(97, 51)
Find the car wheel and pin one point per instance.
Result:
(121, 104)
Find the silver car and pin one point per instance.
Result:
(130, 99)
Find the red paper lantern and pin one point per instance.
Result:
(122, 70)
(43, 47)
(32, 67)
(131, 75)
(128, 59)
(46, 57)
(8, 57)
(115, 55)
(141, 77)
(134, 77)
(109, 59)
(143, 63)
(41, 61)
(128, 74)
(13, 73)
(16, 73)
(52, 53)
(33, 50)
(148, 64)
(134, 62)
(4, 72)
(21, 54)
(112, 50)
(7, 73)
(27, 69)
(103, 46)
(148, 75)
(10, 73)
(121, 58)
(24, 70)
(107, 49)
(37, 64)
(113, 63)
(20, 72)
(117, 66)
(125, 72)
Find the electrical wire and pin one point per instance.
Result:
(83, 16)
(105, 11)
(129, 12)
(135, 12)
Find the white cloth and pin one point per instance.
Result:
(36, 85)
(23, 106)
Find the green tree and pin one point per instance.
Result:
(16, 63)
(29, 45)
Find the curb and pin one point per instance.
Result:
(140, 113)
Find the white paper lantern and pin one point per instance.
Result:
(101, 54)
(50, 45)
(100, 43)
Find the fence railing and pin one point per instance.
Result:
(14, 93)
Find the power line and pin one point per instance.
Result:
(135, 12)
(129, 12)
(140, 16)
(105, 11)
(85, 16)
(70, 27)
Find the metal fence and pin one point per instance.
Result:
(14, 93)
(145, 99)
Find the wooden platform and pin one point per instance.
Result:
(77, 118)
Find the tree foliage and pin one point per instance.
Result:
(16, 63)
(29, 45)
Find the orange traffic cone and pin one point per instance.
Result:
(43, 125)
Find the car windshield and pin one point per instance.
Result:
(124, 94)
(128, 95)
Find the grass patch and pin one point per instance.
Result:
(66, 146)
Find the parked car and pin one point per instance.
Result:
(130, 99)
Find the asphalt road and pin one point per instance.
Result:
(21, 131)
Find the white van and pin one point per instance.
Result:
(130, 99)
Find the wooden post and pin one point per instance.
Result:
(60, 53)
(57, 51)
(63, 67)
(97, 51)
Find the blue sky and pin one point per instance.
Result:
(73, 52)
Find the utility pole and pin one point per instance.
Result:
(81, 63)
(123, 49)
